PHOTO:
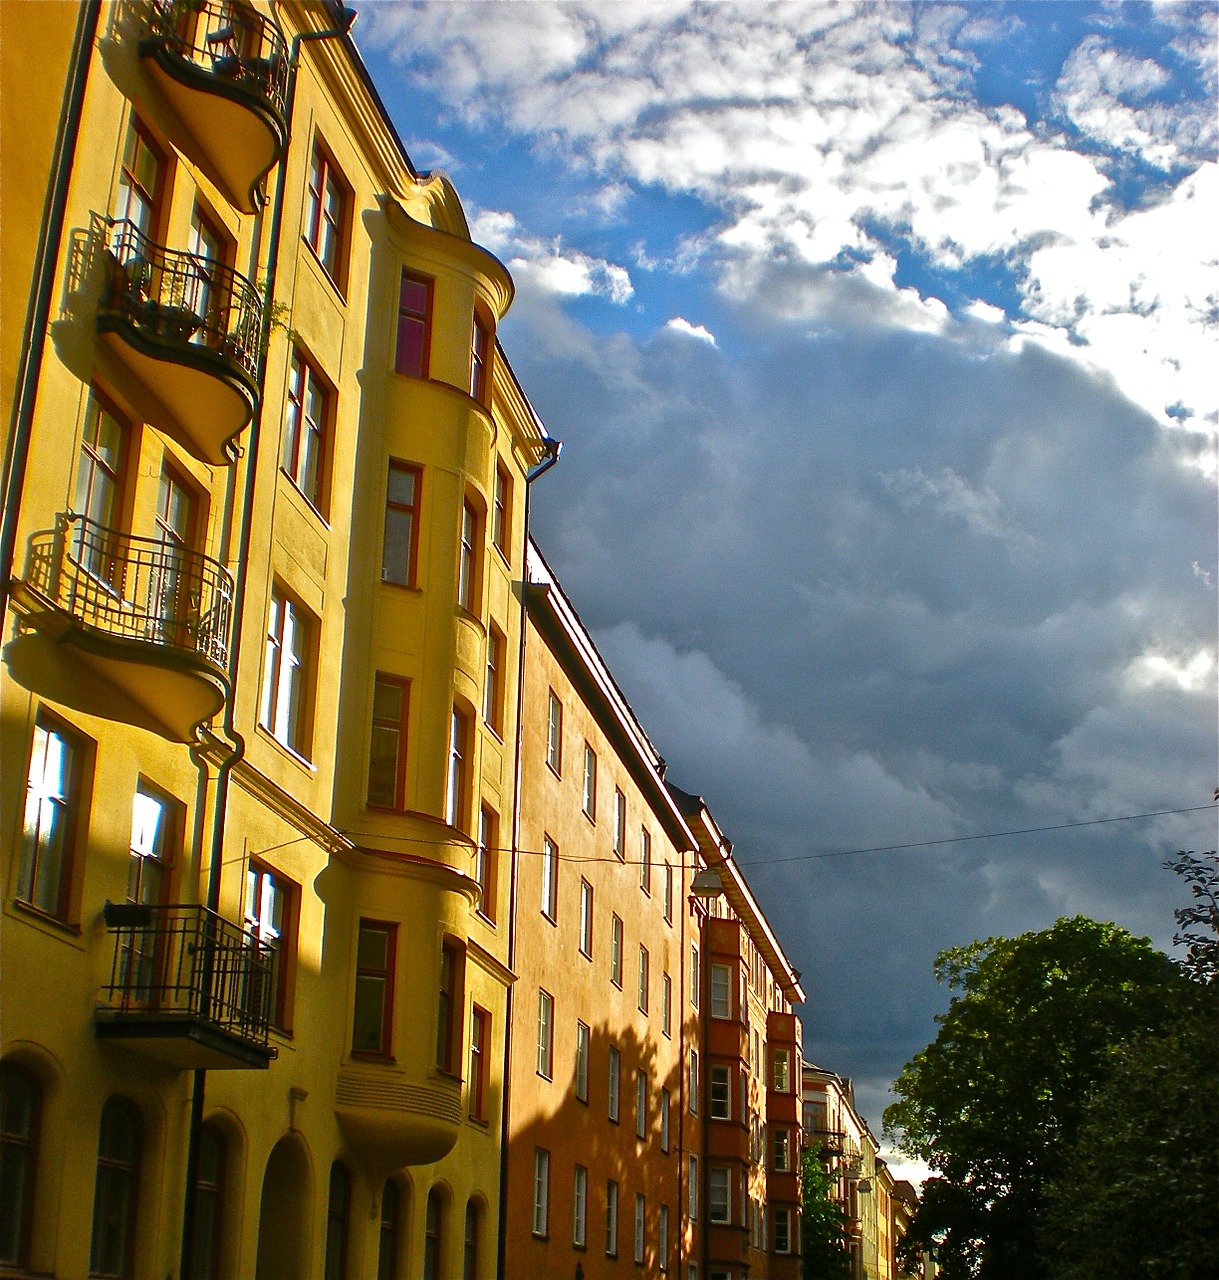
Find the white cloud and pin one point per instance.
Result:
(1191, 673)
(681, 325)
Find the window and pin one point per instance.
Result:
(662, 1238)
(721, 991)
(781, 1142)
(285, 675)
(455, 783)
(693, 1184)
(666, 1005)
(783, 1071)
(486, 859)
(113, 1251)
(468, 558)
(694, 1082)
(100, 483)
(579, 1231)
(270, 915)
(400, 545)
(433, 1227)
(721, 1092)
(783, 1231)
(140, 181)
(590, 783)
(52, 806)
(414, 325)
(493, 687)
(550, 879)
(209, 1202)
(640, 1212)
(372, 1022)
(387, 744)
(695, 980)
(641, 1105)
(175, 580)
(480, 359)
(611, 1218)
(20, 1105)
(720, 1191)
(554, 734)
(306, 424)
(326, 216)
(615, 1082)
(643, 979)
(645, 861)
(669, 892)
(616, 951)
(545, 1034)
(338, 1217)
(390, 1231)
(448, 1003)
(541, 1191)
(469, 1257)
(665, 1103)
(586, 918)
(582, 1046)
(501, 510)
(619, 824)
(480, 1048)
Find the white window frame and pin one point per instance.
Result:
(662, 1238)
(619, 825)
(579, 1212)
(782, 1077)
(589, 792)
(611, 1218)
(582, 1049)
(666, 1005)
(645, 860)
(550, 879)
(641, 1106)
(641, 1208)
(616, 951)
(541, 1191)
(613, 1109)
(554, 734)
(668, 893)
(721, 1083)
(692, 1170)
(719, 1192)
(645, 967)
(665, 1105)
(586, 919)
(721, 991)
(545, 1034)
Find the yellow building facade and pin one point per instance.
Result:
(266, 469)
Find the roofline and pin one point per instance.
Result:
(543, 587)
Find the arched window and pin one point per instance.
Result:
(20, 1100)
(469, 1256)
(115, 1195)
(433, 1226)
(338, 1215)
(391, 1214)
(209, 1204)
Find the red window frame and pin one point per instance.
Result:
(501, 519)
(480, 1048)
(480, 359)
(407, 511)
(450, 998)
(71, 801)
(493, 689)
(388, 724)
(486, 859)
(368, 972)
(329, 208)
(412, 352)
(305, 384)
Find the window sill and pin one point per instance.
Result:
(412, 587)
(553, 770)
(305, 498)
(371, 1058)
(339, 292)
(290, 752)
(489, 921)
(39, 916)
(503, 555)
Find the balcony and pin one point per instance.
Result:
(391, 1118)
(187, 988)
(831, 1141)
(188, 329)
(224, 70)
(151, 618)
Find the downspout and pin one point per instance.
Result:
(231, 760)
(38, 309)
(553, 449)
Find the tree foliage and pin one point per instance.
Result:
(994, 1102)
(1198, 923)
(823, 1235)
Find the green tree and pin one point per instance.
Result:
(823, 1235)
(995, 1101)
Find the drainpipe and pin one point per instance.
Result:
(38, 310)
(553, 449)
(225, 768)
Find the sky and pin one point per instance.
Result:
(881, 339)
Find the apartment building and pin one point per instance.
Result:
(265, 469)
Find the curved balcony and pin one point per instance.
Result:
(224, 70)
(391, 1120)
(152, 619)
(188, 329)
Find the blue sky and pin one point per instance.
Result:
(882, 341)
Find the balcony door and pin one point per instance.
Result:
(156, 826)
(175, 584)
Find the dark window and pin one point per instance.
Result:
(486, 859)
(387, 748)
(141, 179)
(305, 427)
(414, 325)
(501, 519)
(449, 1001)
(493, 689)
(480, 359)
(399, 553)
(338, 1216)
(480, 1047)
(270, 915)
(209, 1205)
(391, 1214)
(469, 1257)
(116, 1191)
(433, 1225)
(101, 483)
(372, 1021)
(20, 1099)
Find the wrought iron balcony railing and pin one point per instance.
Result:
(133, 588)
(182, 299)
(229, 41)
(183, 962)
